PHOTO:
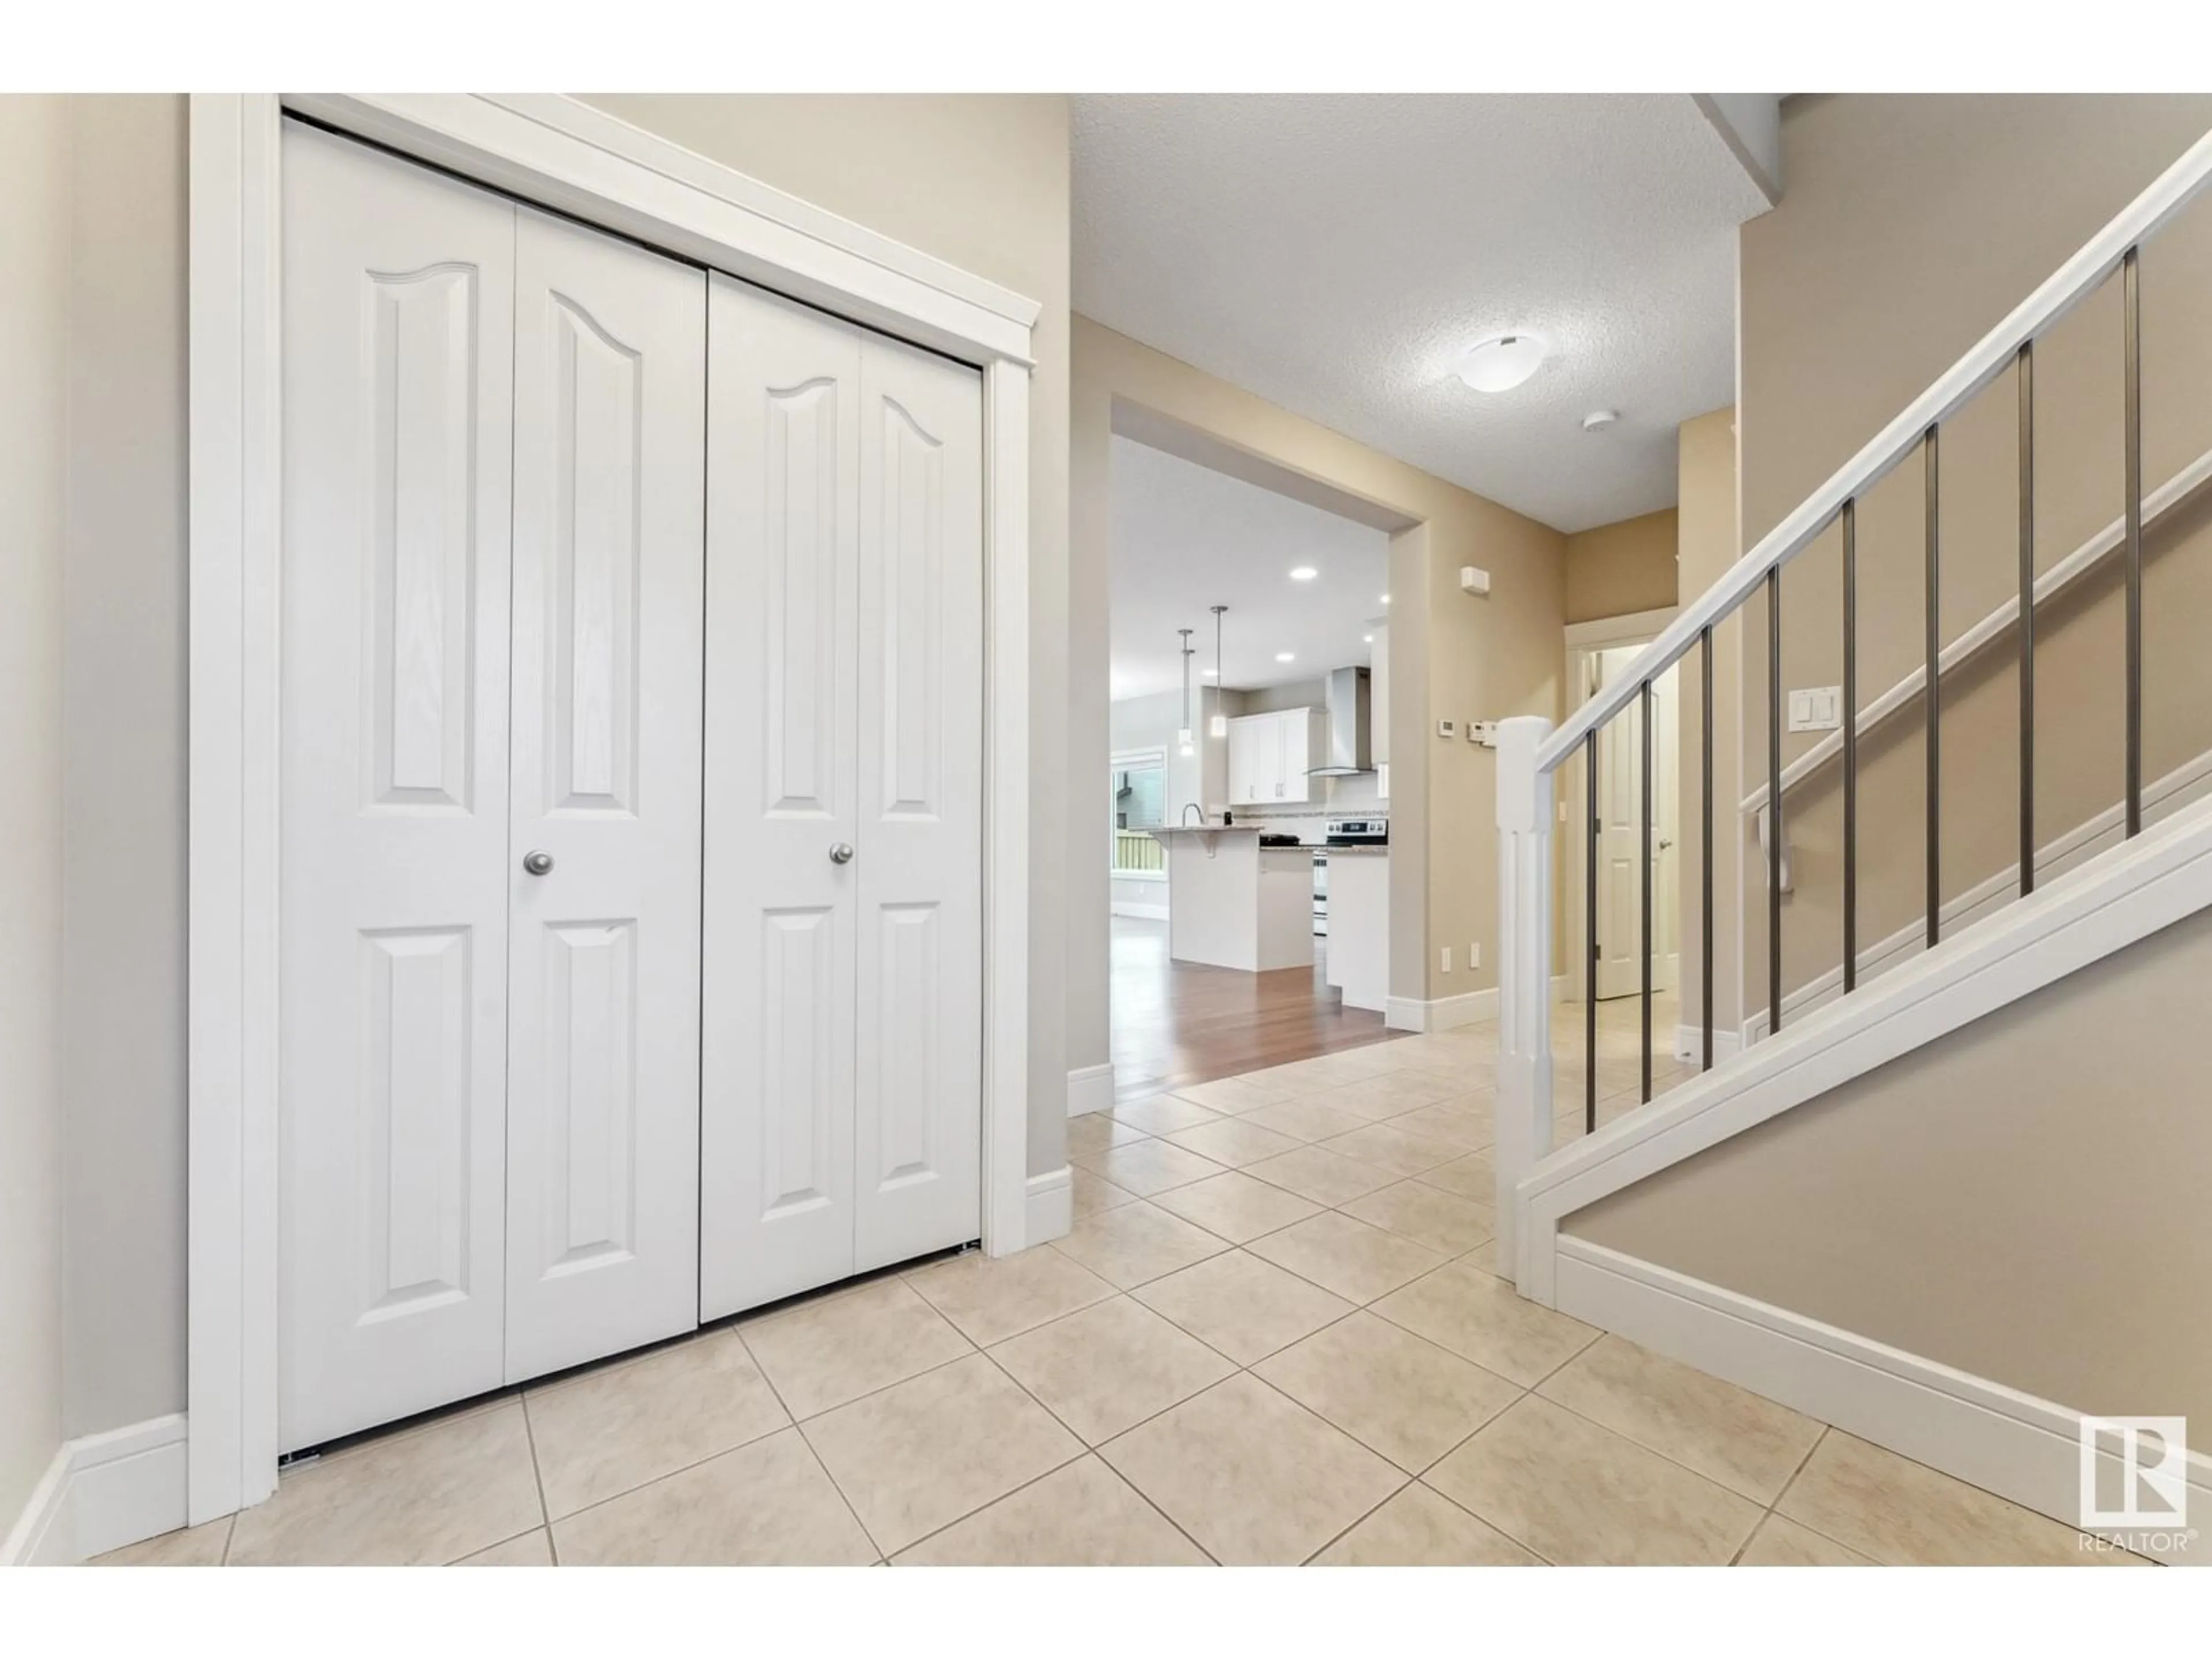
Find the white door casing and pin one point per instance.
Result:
(783, 390)
(602, 1115)
(918, 1086)
(393, 1002)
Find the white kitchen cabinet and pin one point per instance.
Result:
(1268, 755)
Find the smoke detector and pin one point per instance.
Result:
(1598, 419)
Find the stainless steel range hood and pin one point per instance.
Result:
(1348, 704)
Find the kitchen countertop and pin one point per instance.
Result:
(1361, 852)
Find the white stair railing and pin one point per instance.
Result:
(1530, 753)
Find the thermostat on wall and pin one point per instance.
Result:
(1484, 733)
(1474, 581)
(1447, 728)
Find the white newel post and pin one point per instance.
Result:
(1524, 973)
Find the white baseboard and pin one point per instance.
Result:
(102, 1492)
(1444, 1013)
(40, 1537)
(2011, 1443)
(1051, 1212)
(1090, 1089)
(1142, 912)
(1439, 1013)
(1690, 1044)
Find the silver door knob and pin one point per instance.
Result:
(537, 863)
(841, 853)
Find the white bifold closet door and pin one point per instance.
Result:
(841, 1122)
(491, 614)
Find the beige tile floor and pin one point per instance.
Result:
(1273, 1336)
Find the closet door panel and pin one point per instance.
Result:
(397, 333)
(602, 1115)
(782, 780)
(918, 1105)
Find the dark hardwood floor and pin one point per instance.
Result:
(1176, 1023)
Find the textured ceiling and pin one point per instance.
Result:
(1187, 537)
(1335, 254)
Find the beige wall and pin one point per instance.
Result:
(1911, 226)
(123, 782)
(1705, 499)
(1991, 1201)
(979, 181)
(1615, 569)
(1449, 655)
(34, 330)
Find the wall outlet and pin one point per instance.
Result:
(1448, 959)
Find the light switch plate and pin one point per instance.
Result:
(1816, 708)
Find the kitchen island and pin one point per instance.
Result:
(1234, 904)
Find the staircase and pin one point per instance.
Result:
(2109, 887)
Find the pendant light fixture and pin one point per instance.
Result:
(1183, 741)
(1218, 726)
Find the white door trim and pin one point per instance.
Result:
(567, 155)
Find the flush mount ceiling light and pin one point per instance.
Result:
(1286, 656)
(1501, 364)
(1304, 572)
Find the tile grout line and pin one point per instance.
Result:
(791, 1423)
(537, 1478)
(1089, 1450)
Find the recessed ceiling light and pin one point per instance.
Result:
(1304, 572)
(1210, 673)
(1386, 599)
(1598, 419)
(1286, 656)
(1501, 364)
(1367, 639)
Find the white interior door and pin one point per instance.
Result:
(841, 1107)
(1620, 787)
(783, 539)
(397, 372)
(1619, 843)
(602, 1115)
(1667, 836)
(918, 1085)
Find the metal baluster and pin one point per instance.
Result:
(1590, 941)
(1774, 800)
(1706, 774)
(2132, 286)
(1851, 713)
(2026, 375)
(1934, 697)
(1643, 714)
